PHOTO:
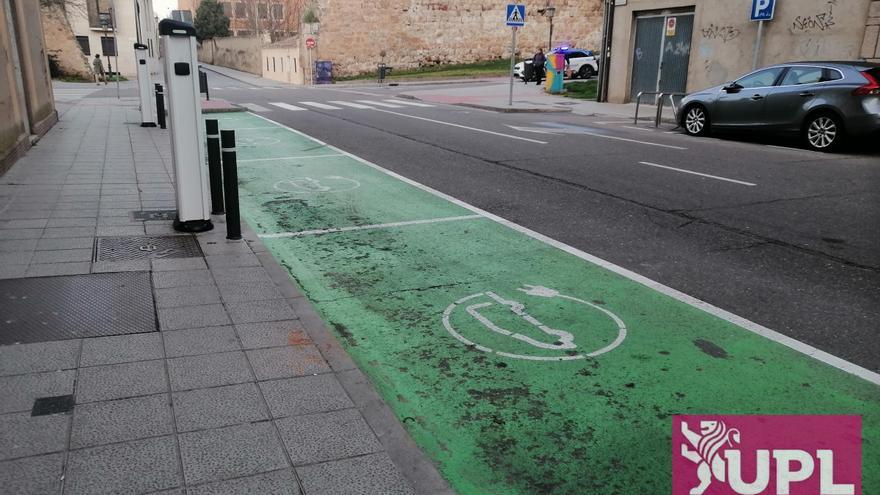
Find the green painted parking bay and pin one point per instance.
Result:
(517, 366)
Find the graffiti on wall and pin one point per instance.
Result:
(723, 33)
(818, 21)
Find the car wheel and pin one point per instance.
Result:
(823, 132)
(586, 72)
(696, 120)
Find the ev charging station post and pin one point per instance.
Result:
(148, 118)
(516, 18)
(184, 120)
(762, 10)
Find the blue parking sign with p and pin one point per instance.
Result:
(762, 10)
(516, 15)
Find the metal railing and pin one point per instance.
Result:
(659, 99)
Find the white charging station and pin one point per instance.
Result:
(148, 113)
(185, 124)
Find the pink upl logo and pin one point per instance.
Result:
(776, 455)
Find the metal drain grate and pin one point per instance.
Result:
(73, 307)
(149, 215)
(138, 248)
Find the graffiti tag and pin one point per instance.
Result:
(723, 33)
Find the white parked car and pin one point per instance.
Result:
(581, 64)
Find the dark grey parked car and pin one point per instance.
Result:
(825, 102)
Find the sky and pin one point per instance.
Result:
(163, 8)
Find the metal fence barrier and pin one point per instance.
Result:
(660, 101)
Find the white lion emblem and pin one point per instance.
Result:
(713, 435)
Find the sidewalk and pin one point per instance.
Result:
(530, 98)
(134, 359)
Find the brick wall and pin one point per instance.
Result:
(871, 43)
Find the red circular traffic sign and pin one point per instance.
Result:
(310, 42)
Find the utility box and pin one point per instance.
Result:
(141, 57)
(185, 124)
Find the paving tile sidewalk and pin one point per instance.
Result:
(240, 389)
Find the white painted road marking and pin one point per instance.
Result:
(253, 107)
(582, 131)
(319, 105)
(698, 173)
(739, 321)
(369, 227)
(380, 104)
(410, 103)
(511, 136)
(351, 104)
(287, 106)
(636, 128)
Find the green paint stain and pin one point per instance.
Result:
(494, 423)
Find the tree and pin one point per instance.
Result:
(210, 21)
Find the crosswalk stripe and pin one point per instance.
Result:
(286, 106)
(410, 103)
(254, 107)
(319, 105)
(379, 103)
(350, 104)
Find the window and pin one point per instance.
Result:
(802, 75)
(240, 10)
(263, 10)
(227, 8)
(831, 75)
(108, 46)
(277, 11)
(760, 79)
(84, 44)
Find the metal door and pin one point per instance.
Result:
(676, 54)
(660, 62)
(646, 55)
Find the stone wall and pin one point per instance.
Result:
(61, 45)
(236, 53)
(415, 33)
(871, 42)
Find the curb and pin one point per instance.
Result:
(414, 464)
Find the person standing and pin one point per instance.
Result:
(538, 62)
(98, 66)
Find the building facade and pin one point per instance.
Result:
(111, 28)
(26, 100)
(271, 20)
(685, 45)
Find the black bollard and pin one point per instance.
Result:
(160, 105)
(215, 172)
(230, 181)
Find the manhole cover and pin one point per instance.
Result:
(146, 215)
(73, 307)
(138, 248)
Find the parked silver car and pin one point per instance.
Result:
(825, 102)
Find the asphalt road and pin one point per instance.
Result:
(787, 238)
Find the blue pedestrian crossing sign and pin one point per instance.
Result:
(516, 15)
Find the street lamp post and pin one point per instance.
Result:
(549, 12)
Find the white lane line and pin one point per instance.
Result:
(322, 106)
(725, 315)
(636, 128)
(410, 103)
(789, 148)
(350, 104)
(596, 134)
(255, 108)
(287, 158)
(369, 227)
(612, 122)
(287, 106)
(511, 136)
(698, 173)
(380, 104)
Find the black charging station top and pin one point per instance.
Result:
(171, 27)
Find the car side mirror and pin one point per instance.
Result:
(732, 87)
